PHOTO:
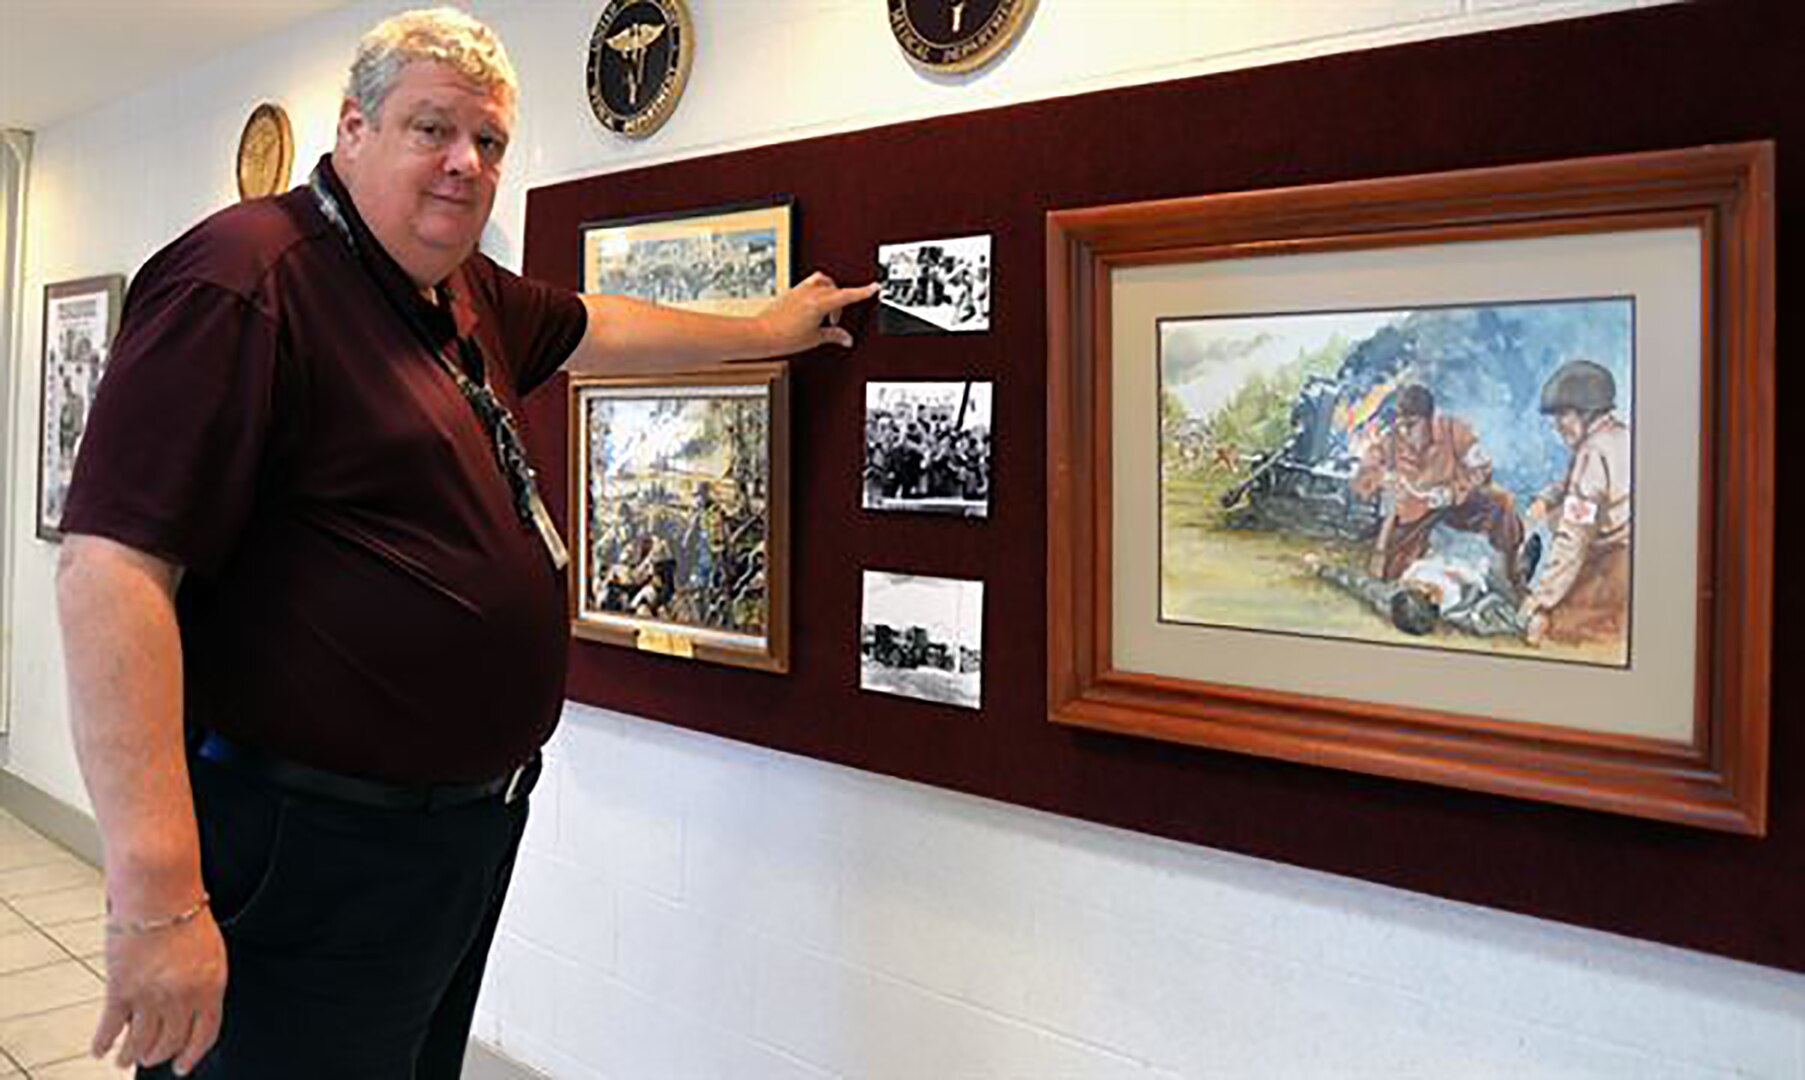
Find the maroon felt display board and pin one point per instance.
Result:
(1667, 77)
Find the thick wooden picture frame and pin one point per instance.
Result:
(674, 519)
(62, 421)
(1715, 777)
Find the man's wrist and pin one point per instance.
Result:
(146, 885)
(117, 924)
(765, 339)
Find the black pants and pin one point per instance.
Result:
(355, 937)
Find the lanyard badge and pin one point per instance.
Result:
(491, 412)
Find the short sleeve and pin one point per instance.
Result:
(540, 325)
(170, 460)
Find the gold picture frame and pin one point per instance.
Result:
(680, 503)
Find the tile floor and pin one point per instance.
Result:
(51, 965)
(51, 940)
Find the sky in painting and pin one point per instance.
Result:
(1205, 361)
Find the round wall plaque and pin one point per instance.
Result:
(638, 64)
(956, 35)
(266, 152)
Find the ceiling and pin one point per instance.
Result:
(60, 58)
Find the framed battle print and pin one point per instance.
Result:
(728, 260)
(1464, 478)
(80, 319)
(680, 498)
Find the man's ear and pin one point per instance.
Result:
(353, 126)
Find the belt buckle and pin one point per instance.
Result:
(507, 798)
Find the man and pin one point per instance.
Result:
(655, 577)
(1438, 588)
(312, 601)
(1583, 591)
(1431, 470)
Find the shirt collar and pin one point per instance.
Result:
(388, 274)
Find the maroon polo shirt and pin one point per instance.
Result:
(360, 594)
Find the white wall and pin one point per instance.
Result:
(15, 157)
(693, 908)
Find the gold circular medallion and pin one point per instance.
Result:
(266, 152)
(956, 35)
(639, 60)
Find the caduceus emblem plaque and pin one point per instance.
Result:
(639, 60)
(955, 35)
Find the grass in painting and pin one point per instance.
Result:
(1258, 580)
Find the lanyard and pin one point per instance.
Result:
(491, 412)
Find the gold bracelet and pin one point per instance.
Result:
(151, 926)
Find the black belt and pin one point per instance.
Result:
(307, 780)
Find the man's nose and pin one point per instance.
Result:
(462, 158)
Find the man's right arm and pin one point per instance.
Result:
(124, 658)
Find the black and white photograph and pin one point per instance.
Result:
(935, 286)
(927, 447)
(923, 637)
(80, 318)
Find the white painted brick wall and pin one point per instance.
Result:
(821, 922)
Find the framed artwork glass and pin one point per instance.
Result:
(1464, 477)
(80, 319)
(680, 498)
(728, 260)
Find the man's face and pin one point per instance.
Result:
(423, 172)
(1415, 430)
(1571, 425)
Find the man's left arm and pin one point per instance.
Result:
(625, 336)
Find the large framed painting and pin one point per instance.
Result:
(680, 504)
(1464, 478)
(727, 260)
(80, 319)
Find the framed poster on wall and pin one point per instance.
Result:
(727, 260)
(1464, 477)
(80, 319)
(680, 502)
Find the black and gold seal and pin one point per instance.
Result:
(638, 64)
(956, 35)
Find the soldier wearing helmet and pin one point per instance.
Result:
(1429, 469)
(1582, 593)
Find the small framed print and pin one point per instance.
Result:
(1464, 478)
(80, 319)
(680, 514)
(726, 260)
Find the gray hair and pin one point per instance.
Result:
(444, 34)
